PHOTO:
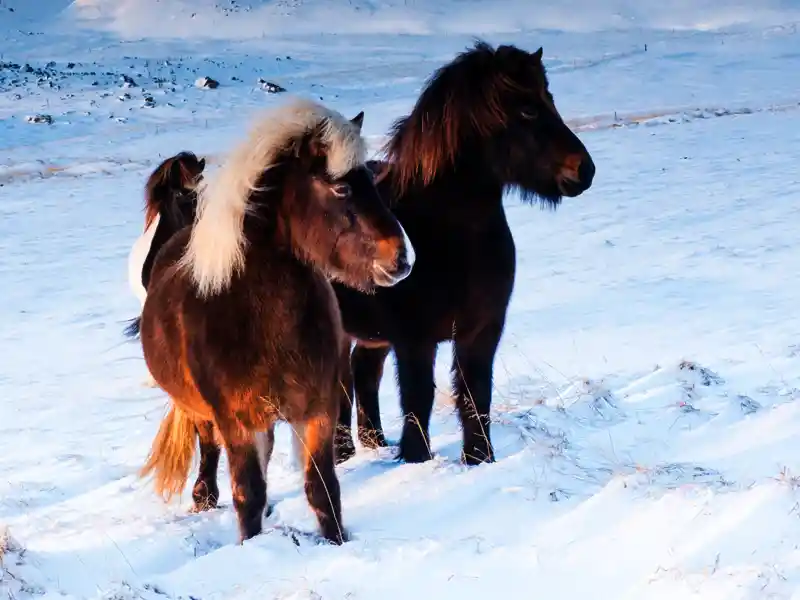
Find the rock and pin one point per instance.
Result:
(270, 87)
(39, 119)
(127, 81)
(149, 102)
(207, 82)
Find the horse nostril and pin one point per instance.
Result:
(394, 258)
(386, 251)
(570, 169)
(403, 265)
(586, 171)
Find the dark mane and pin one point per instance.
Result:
(463, 101)
(163, 182)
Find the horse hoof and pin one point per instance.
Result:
(414, 457)
(473, 457)
(345, 449)
(249, 528)
(200, 506)
(203, 498)
(336, 536)
(372, 439)
(473, 461)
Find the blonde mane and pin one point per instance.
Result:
(217, 245)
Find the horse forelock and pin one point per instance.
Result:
(463, 100)
(217, 245)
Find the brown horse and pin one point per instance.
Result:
(484, 123)
(241, 326)
(169, 205)
(170, 201)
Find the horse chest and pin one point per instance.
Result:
(481, 260)
(321, 322)
(465, 277)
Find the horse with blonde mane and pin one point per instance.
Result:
(241, 327)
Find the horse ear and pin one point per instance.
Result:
(358, 120)
(202, 164)
(537, 56)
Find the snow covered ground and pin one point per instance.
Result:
(647, 388)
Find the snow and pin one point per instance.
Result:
(646, 389)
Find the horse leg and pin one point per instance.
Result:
(415, 375)
(247, 481)
(298, 446)
(367, 365)
(472, 378)
(205, 492)
(265, 444)
(344, 447)
(322, 485)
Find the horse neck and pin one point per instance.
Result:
(270, 246)
(468, 189)
(170, 213)
(267, 225)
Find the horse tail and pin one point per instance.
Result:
(134, 328)
(171, 454)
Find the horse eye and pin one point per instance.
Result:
(341, 190)
(529, 114)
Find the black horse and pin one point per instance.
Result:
(484, 123)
